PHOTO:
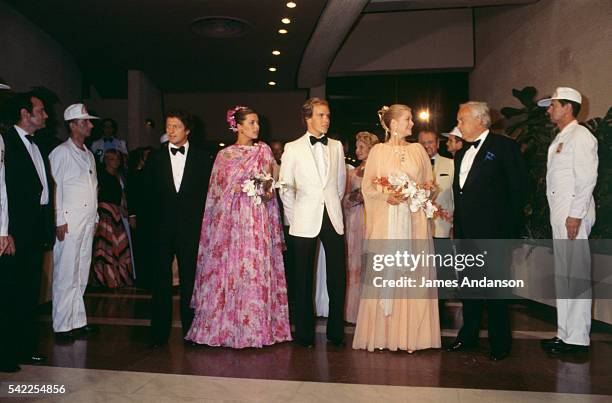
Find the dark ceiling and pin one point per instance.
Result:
(108, 37)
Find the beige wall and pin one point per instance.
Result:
(403, 41)
(281, 110)
(144, 101)
(29, 57)
(547, 44)
(116, 109)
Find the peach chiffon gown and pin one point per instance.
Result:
(396, 323)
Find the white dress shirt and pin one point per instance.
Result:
(319, 152)
(3, 198)
(178, 164)
(37, 159)
(468, 158)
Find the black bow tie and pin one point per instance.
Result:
(108, 139)
(322, 140)
(175, 150)
(30, 138)
(474, 144)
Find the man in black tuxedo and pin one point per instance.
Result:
(489, 193)
(31, 225)
(177, 181)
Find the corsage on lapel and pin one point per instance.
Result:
(559, 148)
(489, 156)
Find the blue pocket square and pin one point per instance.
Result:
(489, 156)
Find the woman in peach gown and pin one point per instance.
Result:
(391, 318)
(355, 225)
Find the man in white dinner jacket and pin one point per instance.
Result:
(76, 203)
(314, 171)
(571, 175)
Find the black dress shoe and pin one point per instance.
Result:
(498, 355)
(64, 336)
(337, 343)
(190, 343)
(459, 346)
(566, 348)
(12, 367)
(34, 359)
(158, 344)
(87, 330)
(546, 344)
(305, 343)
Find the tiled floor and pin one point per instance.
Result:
(288, 372)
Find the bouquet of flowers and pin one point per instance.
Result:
(260, 186)
(404, 187)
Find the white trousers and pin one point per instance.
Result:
(572, 270)
(71, 264)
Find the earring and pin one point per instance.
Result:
(395, 134)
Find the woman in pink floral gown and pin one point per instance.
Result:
(240, 294)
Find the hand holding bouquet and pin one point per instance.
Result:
(261, 187)
(402, 188)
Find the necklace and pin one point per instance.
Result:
(400, 152)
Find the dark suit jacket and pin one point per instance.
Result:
(491, 203)
(177, 216)
(23, 188)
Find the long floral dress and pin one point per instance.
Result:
(240, 294)
(354, 229)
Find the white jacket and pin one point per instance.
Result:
(76, 191)
(306, 195)
(444, 172)
(571, 174)
(4, 224)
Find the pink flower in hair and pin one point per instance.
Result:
(230, 117)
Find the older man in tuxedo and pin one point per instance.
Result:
(314, 171)
(30, 223)
(177, 180)
(489, 193)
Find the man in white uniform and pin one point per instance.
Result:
(6, 244)
(76, 203)
(6, 241)
(444, 172)
(570, 179)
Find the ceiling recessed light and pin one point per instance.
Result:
(221, 144)
(282, 31)
(291, 4)
(272, 83)
(286, 20)
(271, 68)
(276, 52)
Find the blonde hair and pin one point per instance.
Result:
(367, 138)
(387, 113)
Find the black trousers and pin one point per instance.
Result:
(498, 317)
(288, 259)
(304, 263)
(500, 334)
(19, 294)
(161, 309)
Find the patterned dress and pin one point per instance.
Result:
(240, 294)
